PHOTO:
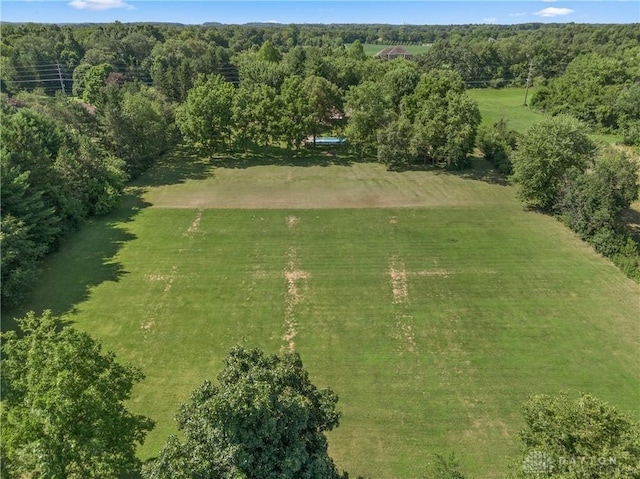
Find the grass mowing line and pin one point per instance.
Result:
(360, 185)
(524, 307)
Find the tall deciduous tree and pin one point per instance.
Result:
(368, 109)
(269, 53)
(592, 204)
(205, 119)
(297, 111)
(256, 115)
(568, 438)
(63, 413)
(546, 155)
(325, 103)
(95, 79)
(445, 119)
(265, 420)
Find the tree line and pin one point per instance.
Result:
(62, 161)
(561, 171)
(64, 416)
(147, 50)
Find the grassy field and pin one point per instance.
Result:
(430, 302)
(508, 103)
(373, 48)
(505, 103)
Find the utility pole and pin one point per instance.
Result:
(60, 76)
(526, 91)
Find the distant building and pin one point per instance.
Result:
(393, 52)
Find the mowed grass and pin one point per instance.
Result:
(507, 103)
(432, 322)
(373, 48)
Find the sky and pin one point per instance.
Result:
(416, 12)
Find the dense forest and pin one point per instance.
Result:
(87, 107)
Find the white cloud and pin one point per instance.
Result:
(519, 14)
(554, 12)
(549, 1)
(99, 4)
(489, 20)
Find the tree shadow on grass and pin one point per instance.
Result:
(84, 260)
(177, 166)
(480, 170)
(275, 156)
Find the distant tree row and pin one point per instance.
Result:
(601, 90)
(171, 56)
(64, 416)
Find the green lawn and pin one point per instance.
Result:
(432, 303)
(373, 48)
(506, 103)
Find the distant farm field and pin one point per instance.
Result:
(373, 48)
(430, 302)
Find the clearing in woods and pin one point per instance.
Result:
(429, 301)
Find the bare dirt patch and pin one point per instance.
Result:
(148, 325)
(435, 272)
(167, 279)
(292, 221)
(399, 285)
(295, 282)
(406, 332)
(195, 225)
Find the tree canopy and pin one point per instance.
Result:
(546, 154)
(264, 420)
(568, 438)
(63, 412)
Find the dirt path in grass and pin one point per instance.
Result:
(296, 284)
(403, 320)
(400, 289)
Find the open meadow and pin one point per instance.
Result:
(373, 48)
(429, 301)
(507, 103)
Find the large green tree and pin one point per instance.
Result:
(297, 113)
(205, 119)
(264, 420)
(593, 205)
(368, 110)
(325, 104)
(547, 155)
(256, 115)
(566, 438)
(63, 412)
(445, 119)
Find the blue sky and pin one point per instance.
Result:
(296, 11)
